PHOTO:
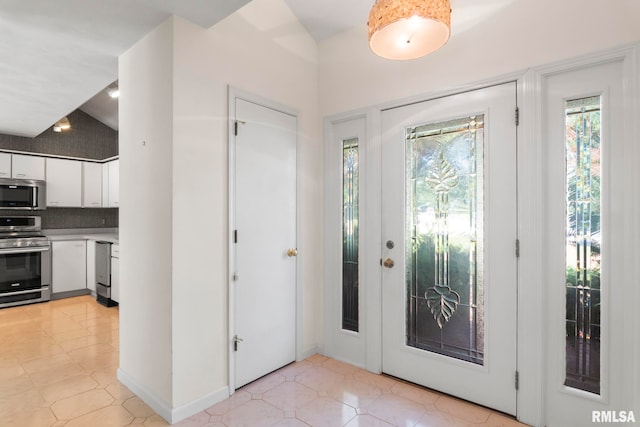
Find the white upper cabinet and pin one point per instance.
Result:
(114, 184)
(5, 165)
(27, 167)
(91, 185)
(64, 183)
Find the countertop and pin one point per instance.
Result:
(103, 235)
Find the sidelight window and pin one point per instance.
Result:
(350, 209)
(583, 237)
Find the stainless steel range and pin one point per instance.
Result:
(25, 261)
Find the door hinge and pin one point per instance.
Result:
(235, 126)
(235, 236)
(517, 248)
(517, 380)
(236, 340)
(517, 116)
(234, 277)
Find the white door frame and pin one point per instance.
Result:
(530, 166)
(233, 95)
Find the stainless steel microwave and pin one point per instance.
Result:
(25, 194)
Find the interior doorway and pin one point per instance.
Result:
(263, 242)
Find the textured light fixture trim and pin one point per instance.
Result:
(408, 29)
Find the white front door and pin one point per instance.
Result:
(449, 245)
(263, 240)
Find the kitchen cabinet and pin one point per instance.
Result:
(91, 185)
(114, 183)
(68, 265)
(5, 165)
(64, 183)
(91, 265)
(27, 167)
(115, 273)
(111, 184)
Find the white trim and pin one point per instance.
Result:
(310, 352)
(232, 95)
(56, 156)
(531, 363)
(230, 215)
(373, 271)
(632, 110)
(187, 410)
(162, 408)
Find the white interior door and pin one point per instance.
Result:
(588, 353)
(449, 280)
(264, 240)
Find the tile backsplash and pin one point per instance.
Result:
(55, 218)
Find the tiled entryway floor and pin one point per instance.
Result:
(58, 364)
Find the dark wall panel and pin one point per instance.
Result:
(88, 138)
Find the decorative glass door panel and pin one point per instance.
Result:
(449, 275)
(444, 217)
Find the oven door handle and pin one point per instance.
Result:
(24, 250)
(27, 291)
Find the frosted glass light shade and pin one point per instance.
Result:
(408, 29)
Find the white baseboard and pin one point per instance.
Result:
(162, 408)
(185, 411)
(310, 352)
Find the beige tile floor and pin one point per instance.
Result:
(58, 364)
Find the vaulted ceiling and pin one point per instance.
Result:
(59, 55)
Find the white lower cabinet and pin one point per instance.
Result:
(115, 273)
(68, 265)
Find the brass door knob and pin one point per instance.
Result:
(292, 253)
(388, 263)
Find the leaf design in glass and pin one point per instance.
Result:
(442, 302)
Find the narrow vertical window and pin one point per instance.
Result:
(350, 208)
(583, 237)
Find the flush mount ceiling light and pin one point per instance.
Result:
(62, 124)
(408, 29)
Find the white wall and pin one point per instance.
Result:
(146, 114)
(260, 49)
(511, 36)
